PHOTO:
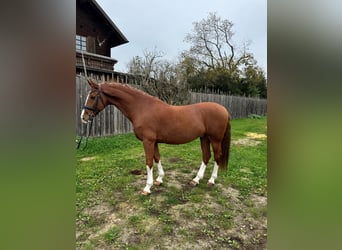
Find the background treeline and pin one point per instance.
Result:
(214, 62)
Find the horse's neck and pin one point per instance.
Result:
(129, 101)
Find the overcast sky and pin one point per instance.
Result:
(163, 24)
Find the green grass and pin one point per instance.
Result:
(107, 192)
(112, 235)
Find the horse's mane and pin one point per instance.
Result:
(129, 88)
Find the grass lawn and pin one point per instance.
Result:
(111, 214)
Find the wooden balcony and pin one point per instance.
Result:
(94, 63)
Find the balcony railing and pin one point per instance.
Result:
(95, 62)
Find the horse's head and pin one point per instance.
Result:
(95, 102)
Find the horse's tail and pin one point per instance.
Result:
(225, 146)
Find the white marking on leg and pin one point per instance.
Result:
(149, 181)
(214, 174)
(160, 173)
(200, 173)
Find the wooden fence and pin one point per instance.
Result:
(238, 107)
(111, 121)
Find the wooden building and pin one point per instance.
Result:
(96, 34)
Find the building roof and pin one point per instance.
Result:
(116, 36)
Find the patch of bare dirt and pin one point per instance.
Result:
(252, 139)
(256, 135)
(88, 158)
(222, 219)
(199, 228)
(137, 172)
(107, 217)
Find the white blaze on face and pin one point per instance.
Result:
(83, 110)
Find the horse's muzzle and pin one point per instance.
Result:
(86, 117)
(89, 120)
(84, 121)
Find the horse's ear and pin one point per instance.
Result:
(92, 84)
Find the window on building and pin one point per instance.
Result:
(81, 43)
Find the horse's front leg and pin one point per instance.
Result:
(149, 154)
(161, 173)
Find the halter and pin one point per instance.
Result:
(94, 108)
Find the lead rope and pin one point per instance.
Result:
(84, 67)
(88, 131)
(88, 128)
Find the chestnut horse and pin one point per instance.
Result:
(155, 121)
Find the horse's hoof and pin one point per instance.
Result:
(210, 184)
(193, 183)
(157, 183)
(145, 193)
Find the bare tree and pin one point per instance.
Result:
(213, 46)
(144, 68)
(159, 77)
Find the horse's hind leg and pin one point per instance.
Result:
(217, 155)
(161, 173)
(211, 181)
(205, 145)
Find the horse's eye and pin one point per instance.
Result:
(92, 97)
